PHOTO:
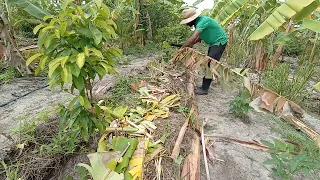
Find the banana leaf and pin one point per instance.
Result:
(30, 8)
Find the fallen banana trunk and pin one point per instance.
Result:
(268, 99)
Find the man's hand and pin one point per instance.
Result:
(193, 39)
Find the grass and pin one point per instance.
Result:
(141, 51)
(8, 74)
(121, 93)
(290, 133)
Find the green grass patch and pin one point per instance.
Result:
(8, 74)
(121, 93)
(141, 51)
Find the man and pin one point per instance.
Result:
(210, 31)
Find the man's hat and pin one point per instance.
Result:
(189, 15)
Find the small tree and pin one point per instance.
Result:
(74, 45)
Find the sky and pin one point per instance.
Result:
(205, 4)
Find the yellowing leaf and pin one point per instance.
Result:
(102, 144)
(167, 99)
(317, 86)
(80, 60)
(32, 58)
(150, 117)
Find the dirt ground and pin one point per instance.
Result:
(235, 161)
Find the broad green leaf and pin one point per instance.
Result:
(119, 144)
(57, 60)
(317, 86)
(63, 28)
(105, 12)
(292, 165)
(230, 11)
(79, 82)
(42, 62)
(66, 75)
(48, 41)
(74, 100)
(105, 66)
(279, 145)
(37, 28)
(287, 10)
(101, 71)
(313, 25)
(86, 51)
(57, 33)
(52, 69)
(30, 8)
(285, 154)
(96, 52)
(111, 22)
(80, 60)
(84, 102)
(32, 58)
(306, 172)
(75, 70)
(51, 48)
(84, 132)
(97, 35)
(41, 39)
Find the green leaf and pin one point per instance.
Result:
(119, 111)
(51, 48)
(285, 155)
(72, 103)
(306, 171)
(105, 66)
(267, 143)
(63, 28)
(37, 28)
(96, 52)
(98, 3)
(279, 145)
(84, 102)
(80, 60)
(292, 165)
(271, 161)
(32, 58)
(313, 25)
(84, 133)
(105, 12)
(86, 51)
(66, 3)
(75, 70)
(101, 71)
(287, 10)
(42, 62)
(48, 17)
(57, 33)
(41, 39)
(97, 35)
(48, 41)
(66, 75)
(30, 8)
(79, 82)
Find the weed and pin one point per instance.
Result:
(290, 133)
(184, 110)
(279, 80)
(11, 172)
(8, 74)
(286, 163)
(141, 51)
(239, 106)
(121, 92)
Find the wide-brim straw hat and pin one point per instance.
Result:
(189, 15)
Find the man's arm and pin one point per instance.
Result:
(193, 39)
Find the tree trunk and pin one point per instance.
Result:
(137, 22)
(12, 55)
(149, 26)
(259, 56)
(279, 50)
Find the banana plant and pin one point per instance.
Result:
(30, 8)
(290, 9)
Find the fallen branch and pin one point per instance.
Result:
(204, 150)
(28, 47)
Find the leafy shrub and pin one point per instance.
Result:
(173, 33)
(239, 106)
(294, 46)
(287, 163)
(7, 74)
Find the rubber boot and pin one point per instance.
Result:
(205, 87)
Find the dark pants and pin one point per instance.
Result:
(214, 52)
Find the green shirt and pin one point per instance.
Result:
(211, 31)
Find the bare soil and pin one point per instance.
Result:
(234, 162)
